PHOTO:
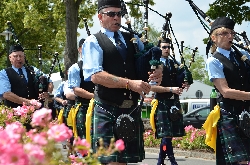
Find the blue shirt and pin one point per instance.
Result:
(214, 66)
(5, 85)
(62, 89)
(93, 54)
(74, 79)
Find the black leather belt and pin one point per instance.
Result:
(125, 103)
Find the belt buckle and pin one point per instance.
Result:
(126, 104)
(172, 97)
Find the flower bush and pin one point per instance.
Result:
(194, 139)
(38, 146)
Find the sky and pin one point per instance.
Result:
(185, 24)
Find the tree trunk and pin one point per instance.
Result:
(71, 52)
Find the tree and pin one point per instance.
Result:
(46, 23)
(196, 67)
(238, 10)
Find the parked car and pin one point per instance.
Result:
(197, 117)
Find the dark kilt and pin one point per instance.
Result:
(66, 113)
(164, 126)
(103, 123)
(232, 145)
(81, 119)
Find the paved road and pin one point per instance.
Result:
(151, 159)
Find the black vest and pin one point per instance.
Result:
(113, 63)
(86, 85)
(169, 79)
(237, 78)
(19, 88)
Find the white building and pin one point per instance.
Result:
(197, 90)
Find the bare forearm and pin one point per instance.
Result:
(70, 96)
(236, 94)
(160, 89)
(59, 100)
(14, 98)
(50, 87)
(83, 93)
(109, 80)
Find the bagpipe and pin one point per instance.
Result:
(41, 82)
(244, 116)
(239, 43)
(154, 53)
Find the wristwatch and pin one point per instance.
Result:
(171, 90)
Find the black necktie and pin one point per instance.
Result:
(22, 76)
(120, 46)
(232, 58)
(167, 64)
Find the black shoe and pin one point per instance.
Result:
(172, 160)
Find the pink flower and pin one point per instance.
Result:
(21, 111)
(41, 117)
(35, 103)
(15, 130)
(82, 146)
(59, 133)
(13, 155)
(119, 145)
(35, 152)
(40, 139)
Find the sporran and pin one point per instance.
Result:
(174, 113)
(244, 121)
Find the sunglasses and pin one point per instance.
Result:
(113, 14)
(165, 47)
(226, 34)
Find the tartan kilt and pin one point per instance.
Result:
(81, 119)
(232, 145)
(103, 122)
(164, 126)
(66, 113)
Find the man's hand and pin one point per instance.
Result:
(185, 86)
(44, 95)
(156, 76)
(139, 86)
(64, 102)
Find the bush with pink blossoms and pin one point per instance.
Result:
(39, 146)
(194, 139)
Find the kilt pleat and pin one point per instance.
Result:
(232, 145)
(164, 126)
(103, 121)
(80, 121)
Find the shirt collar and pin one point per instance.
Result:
(110, 33)
(16, 69)
(224, 52)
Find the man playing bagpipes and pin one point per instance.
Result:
(227, 126)
(108, 59)
(167, 116)
(18, 81)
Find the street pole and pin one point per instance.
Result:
(7, 35)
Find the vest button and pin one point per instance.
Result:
(125, 94)
(125, 71)
(124, 63)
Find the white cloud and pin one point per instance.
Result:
(185, 23)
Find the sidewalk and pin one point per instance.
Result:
(177, 152)
(187, 153)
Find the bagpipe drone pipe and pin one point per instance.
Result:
(152, 54)
(148, 57)
(239, 43)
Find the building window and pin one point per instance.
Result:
(198, 94)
